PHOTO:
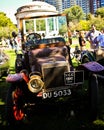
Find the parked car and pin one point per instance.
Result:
(4, 63)
(44, 73)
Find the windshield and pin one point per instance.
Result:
(46, 26)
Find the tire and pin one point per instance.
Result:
(93, 96)
(14, 105)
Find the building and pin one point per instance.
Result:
(32, 10)
(102, 3)
(94, 4)
(88, 6)
(72, 2)
(84, 4)
(65, 4)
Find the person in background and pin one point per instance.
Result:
(91, 35)
(15, 42)
(70, 36)
(82, 41)
(100, 39)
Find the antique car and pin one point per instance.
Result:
(44, 73)
(4, 63)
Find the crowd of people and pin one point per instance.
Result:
(93, 36)
(12, 43)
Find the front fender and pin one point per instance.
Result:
(14, 77)
(92, 66)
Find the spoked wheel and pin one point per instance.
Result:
(15, 105)
(17, 110)
(93, 96)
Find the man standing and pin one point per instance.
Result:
(100, 39)
(91, 35)
(14, 41)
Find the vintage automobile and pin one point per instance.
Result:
(4, 63)
(44, 73)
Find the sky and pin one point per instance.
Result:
(10, 7)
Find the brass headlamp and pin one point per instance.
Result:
(35, 83)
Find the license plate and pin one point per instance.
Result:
(74, 77)
(57, 93)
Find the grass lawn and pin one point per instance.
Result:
(12, 57)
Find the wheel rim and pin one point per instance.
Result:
(18, 111)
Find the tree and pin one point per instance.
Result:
(6, 26)
(100, 11)
(88, 16)
(74, 13)
(83, 25)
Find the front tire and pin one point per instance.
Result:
(14, 104)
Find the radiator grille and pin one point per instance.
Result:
(53, 74)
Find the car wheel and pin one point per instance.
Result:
(14, 105)
(93, 96)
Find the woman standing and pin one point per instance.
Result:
(82, 41)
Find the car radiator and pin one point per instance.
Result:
(53, 74)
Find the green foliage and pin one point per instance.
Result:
(88, 16)
(29, 25)
(6, 26)
(76, 18)
(63, 29)
(100, 11)
(86, 24)
(40, 25)
(4, 21)
(99, 123)
(75, 13)
(82, 25)
(98, 21)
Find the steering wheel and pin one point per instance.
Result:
(33, 37)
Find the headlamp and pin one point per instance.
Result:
(35, 83)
